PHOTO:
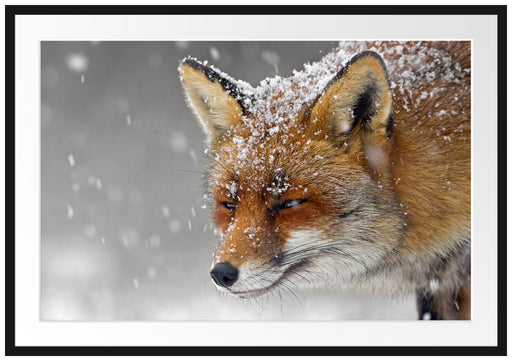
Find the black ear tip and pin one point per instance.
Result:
(188, 61)
(228, 84)
(366, 54)
(371, 53)
(201, 67)
(192, 62)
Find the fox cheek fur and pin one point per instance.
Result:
(320, 177)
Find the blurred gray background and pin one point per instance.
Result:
(125, 231)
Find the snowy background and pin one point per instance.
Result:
(125, 235)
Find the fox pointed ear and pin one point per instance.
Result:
(216, 99)
(359, 94)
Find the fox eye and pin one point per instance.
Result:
(228, 205)
(292, 203)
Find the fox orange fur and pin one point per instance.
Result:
(355, 171)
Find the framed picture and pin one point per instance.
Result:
(370, 141)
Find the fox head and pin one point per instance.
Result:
(299, 175)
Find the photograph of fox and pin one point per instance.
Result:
(354, 172)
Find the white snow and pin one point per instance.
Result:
(178, 142)
(434, 285)
(70, 212)
(77, 62)
(214, 53)
(182, 45)
(193, 156)
(152, 272)
(71, 160)
(166, 211)
(174, 226)
(129, 237)
(271, 57)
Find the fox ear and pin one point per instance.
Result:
(359, 94)
(216, 100)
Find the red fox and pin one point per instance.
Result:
(354, 171)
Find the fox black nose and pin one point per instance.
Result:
(224, 274)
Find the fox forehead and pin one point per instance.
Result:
(272, 164)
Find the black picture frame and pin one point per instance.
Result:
(12, 349)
